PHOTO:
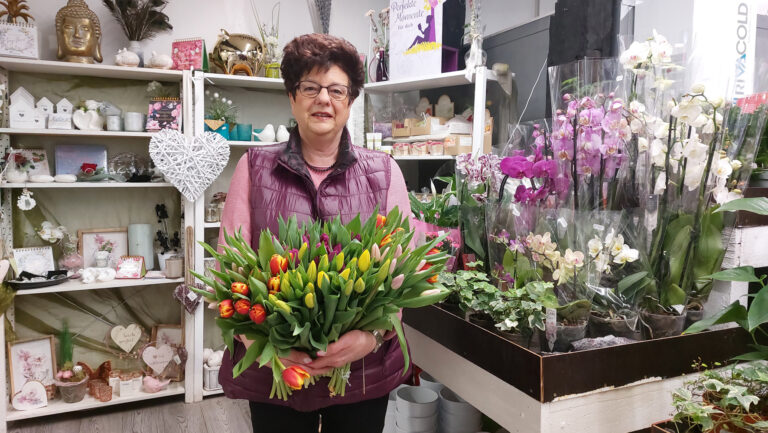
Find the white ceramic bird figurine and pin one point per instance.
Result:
(282, 134)
(267, 134)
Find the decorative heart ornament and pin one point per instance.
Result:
(87, 120)
(126, 338)
(190, 164)
(157, 358)
(31, 396)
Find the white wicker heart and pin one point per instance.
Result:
(190, 164)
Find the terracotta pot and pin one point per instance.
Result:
(566, 334)
(72, 392)
(661, 325)
(618, 327)
(728, 428)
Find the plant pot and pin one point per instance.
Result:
(102, 259)
(566, 334)
(726, 427)
(520, 339)
(693, 316)
(218, 126)
(482, 319)
(618, 327)
(661, 325)
(72, 392)
(452, 308)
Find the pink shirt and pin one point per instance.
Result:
(237, 208)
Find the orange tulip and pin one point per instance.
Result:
(257, 314)
(433, 251)
(226, 310)
(240, 288)
(294, 377)
(278, 263)
(274, 285)
(381, 221)
(242, 306)
(385, 240)
(433, 278)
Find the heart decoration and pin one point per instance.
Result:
(31, 396)
(157, 358)
(87, 120)
(126, 337)
(190, 164)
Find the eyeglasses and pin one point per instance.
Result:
(310, 89)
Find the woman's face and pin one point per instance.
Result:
(321, 116)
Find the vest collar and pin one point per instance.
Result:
(291, 156)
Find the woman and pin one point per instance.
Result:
(317, 173)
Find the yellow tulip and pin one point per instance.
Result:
(348, 288)
(364, 262)
(302, 250)
(345, 274)
(311, 271)
(310, 288)
(359, 285)
(323, 266)
(283, 306)
(309, 300)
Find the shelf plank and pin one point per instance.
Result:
(75, 133)
(77, 285)
(250, 143)
(59, 406)
(33, 185)
(423, 158)
(209, 392)
(263, 83)
(212, 225)
(86, 70)
(456, 78)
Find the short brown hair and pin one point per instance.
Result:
(316, 50)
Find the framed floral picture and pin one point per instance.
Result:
(172, 335)
(31, 161)
(164, 113)
(32, 359)
(102, 248)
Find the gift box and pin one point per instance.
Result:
(400, 129)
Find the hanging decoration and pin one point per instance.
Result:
(126, 337)
(25, 200)
(191, 164)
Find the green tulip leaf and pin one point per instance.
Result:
(395, 320)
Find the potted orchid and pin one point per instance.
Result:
(691, 162)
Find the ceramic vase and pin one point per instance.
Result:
(135, 47)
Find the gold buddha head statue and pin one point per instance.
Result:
(78, 32)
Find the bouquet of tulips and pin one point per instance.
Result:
(307, 286)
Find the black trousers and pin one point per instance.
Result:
(363, 417)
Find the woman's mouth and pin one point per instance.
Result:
(321, 115)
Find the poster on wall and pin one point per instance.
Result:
(416, 32)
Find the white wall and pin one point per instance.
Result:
(500, 15)
(204, 18)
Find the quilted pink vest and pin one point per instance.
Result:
(281, 185)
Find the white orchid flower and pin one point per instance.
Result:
(693, 173)
(658, 153)
(660, 185)
(595, 246)
(626, 255)
(642, 144)
(723, 168)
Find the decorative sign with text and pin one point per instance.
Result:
(415, 40)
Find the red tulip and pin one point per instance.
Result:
(385, 240)
(257, 314)
(381, 221)
(274, 285)
(433, 278)
(294, 377)
(242, 306)
(278, 263)
(240, 288)
(433, 251)
(226, 310)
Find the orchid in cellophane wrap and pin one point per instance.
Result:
(694, 155)
(478, 180)
(310, 284)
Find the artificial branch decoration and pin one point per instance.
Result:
(140, 19)
(15, 9)
(166, 242)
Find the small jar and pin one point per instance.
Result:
(212, 213)
(419, 148)
(436, 148)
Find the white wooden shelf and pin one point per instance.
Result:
(423, 158)
(250, 143)
(31, 185)
(224, 80)
(210, 392)
(456, 78)
(86, 70)
(212, 225)
(77, 285)
(59, 406)
(75, 133)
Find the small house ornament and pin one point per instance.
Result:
(23, 113)
(62, 118)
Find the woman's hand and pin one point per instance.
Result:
(297, 358)
(352, 346)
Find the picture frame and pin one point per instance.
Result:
(19, 40)
(36, 260)
(131, 267)
(70, 157)
(164, 113)
(92, 240)
(31, 161)
(31, 359)
(172, 335)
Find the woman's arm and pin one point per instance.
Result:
(237, 208)
(397, 195)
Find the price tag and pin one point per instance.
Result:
(562, 222)
(598, 227)
(679, 308)
(192, 296)
(176, 359)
